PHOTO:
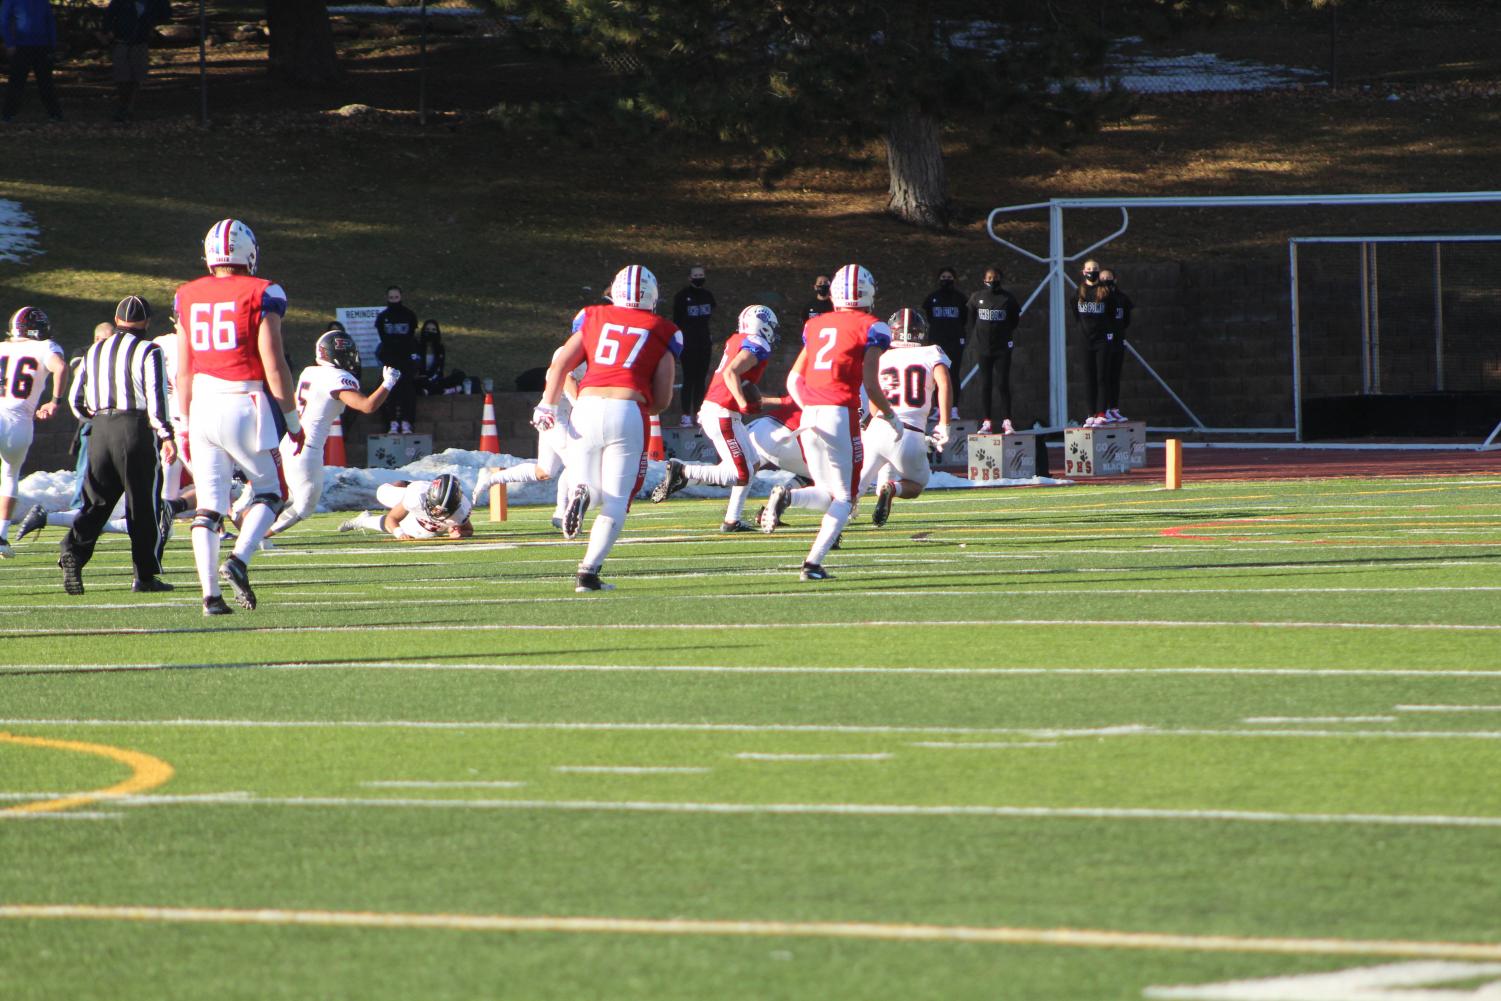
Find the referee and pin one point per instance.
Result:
(122, 388)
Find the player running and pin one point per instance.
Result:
(236, 391)
(632, 357)
(912, 373)
(835, 363)
(27, 356)
(746, 355)
(417, 510)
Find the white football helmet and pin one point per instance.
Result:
(230, 242)
(853, 288)
(758, 320)
(636, 287)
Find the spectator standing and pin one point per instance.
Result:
(821, 303)
(947, 310)
(130, 24)
(1095, 312)
(692, 308)
(122, 388)
(993, 316)
(1115, 351)
(29, 31)
(397, 327)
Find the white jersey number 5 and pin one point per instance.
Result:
(607, 349)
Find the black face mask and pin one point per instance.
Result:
(1108, 283)
(820, 290)
(945, 283)
(994, 286)
(697, 282)
(1091, 276)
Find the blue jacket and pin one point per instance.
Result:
(28, 22)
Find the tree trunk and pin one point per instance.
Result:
(914, 156)
(302, 42)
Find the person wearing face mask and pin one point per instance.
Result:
(397, 327)
(993, 316)
(947, 310)
(692, 309)
(821, 303)
(1094, 309)
(1115, 350)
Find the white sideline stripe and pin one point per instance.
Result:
(1447, 709)
(417, 627)
(1319, 719)
(206, 797)
(417, 784)
(65, 815)
(979, 745)
(1043, 732)
(631, 770)
(767, 756)
(848, 809)
(1078, 938)
(385, 665)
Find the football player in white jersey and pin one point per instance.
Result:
(418, 510)
(912, 373)
(27, 356)
(324, 389)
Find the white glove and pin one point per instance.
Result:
(941, 436)
(544, 416)
(389, 377)
(294, 423)
(894, 421)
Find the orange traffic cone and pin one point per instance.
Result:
(489, 438)
(654, 448)
(333, 448)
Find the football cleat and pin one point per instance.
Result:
(164, 523)
(588, 580)
(5, 551)
(72, 573)
(234, 571)
(776, 503)
(557, 523)
(814, 571)
(573, 517)
(352, 523)
(214, 605)
(1006, 427)
(734, 527)
(884, 497)
(35, 521)
(144, 585)
(674, 481)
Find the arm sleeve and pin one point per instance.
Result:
(675, 344)
(274, 300)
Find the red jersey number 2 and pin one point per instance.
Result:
(821, 360)
(211, 326)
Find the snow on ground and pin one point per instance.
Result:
(354, 489)
(19, 236)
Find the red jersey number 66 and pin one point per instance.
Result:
(211, 326)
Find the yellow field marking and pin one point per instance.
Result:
(1078, 938)
(146, 773)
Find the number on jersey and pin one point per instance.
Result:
(907, 387)
(821, 360)
(24, 381)
(607, 348)
(211, 326)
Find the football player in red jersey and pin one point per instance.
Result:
(237, 393)
(632, 357)
(744, 361)
(837, 360)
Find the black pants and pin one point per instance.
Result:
(695, 362)
(953, 346)
(25, 61)
(995, 385)
(1115, 360)
(1096, 355)
(123, 458)
(401, 405)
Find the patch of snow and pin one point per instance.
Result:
(19, 236)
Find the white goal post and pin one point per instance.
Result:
(1057, 281)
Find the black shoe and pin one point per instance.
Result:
(588, 580)
(884, 497)
(148, 584)
(573, 516)
(732, 527)
(164, 523)
(675, 480)
(35, 521)
(72, 573)
(776, 503)
(815, 571)
(215, 606)
(838, 539)
(234, 571)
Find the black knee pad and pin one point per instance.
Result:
(211, 520)
(274, 501)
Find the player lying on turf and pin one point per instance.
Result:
(912, 373)
(418, 510)
(733, 392)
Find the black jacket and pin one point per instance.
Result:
(993, 317)
(1100, 310)
(947, 310)
(818, 307)
(124, 24)
(691, 310)
(396, 320)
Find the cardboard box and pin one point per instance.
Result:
(994, 457)
(392, 451)
(1136, 432)
(1101, 451)
(688, 445)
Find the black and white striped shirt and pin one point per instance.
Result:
(123, 372)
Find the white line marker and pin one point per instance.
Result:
(1447, 709)
(64, 815)
(765, 756)
(630, 770)
(416, 784)
(980, 745)
(1319, 719)
(1062, 937)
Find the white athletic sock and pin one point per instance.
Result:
(206, 556)
(4, 527)
(736, 507)
(716, 475)
(833, 523)
(602, 536)
(524, 473)
(62, 519)
(812, 498)
(565, 487)
(117, 525)
(372, 520)
(252, 530)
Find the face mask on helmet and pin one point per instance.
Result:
(908, 326)
(337, 349)
(230, 244)
(759, 320)
(442, 497)
(853, 288)
(30, 323)
(636, 287)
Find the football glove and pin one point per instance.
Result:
(294, 431)
(389, 377)
(940, 436)
(544, 416)
(895, 422)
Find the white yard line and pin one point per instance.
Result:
(1447, 709)
(418, 784)
(631, 770)
(767, 756)
(981, 745)
(897, 932)
(1319, 719)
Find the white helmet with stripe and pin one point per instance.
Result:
(759, 320)
(634, 286)
(853, 288)
(230, 243)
